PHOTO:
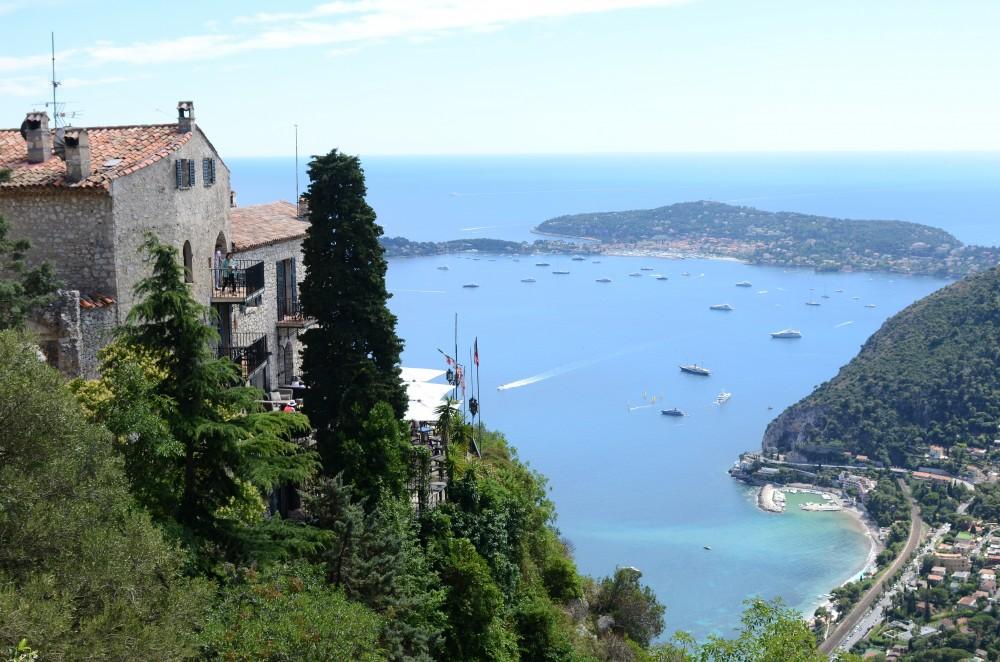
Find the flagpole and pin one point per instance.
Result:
(479, 400)
(456, 362)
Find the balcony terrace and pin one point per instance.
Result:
(241, 281)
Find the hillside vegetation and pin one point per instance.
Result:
(930, 375)
(782, 238)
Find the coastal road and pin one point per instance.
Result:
(855, 616)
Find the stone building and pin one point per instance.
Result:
(87, 197)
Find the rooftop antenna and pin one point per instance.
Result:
(296, 166)
(55, 84)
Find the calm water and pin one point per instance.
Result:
(584, 360)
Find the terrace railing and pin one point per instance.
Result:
(237, 282)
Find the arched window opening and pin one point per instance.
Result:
(188, 263)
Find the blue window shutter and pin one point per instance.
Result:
(294, 282)
(191, 172)
(205, 177)
(178, 172)
(211, 163)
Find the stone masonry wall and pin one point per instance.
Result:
(97, 328)
(148, 200)
(72, 230)
(264, 318)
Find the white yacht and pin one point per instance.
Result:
(721, 306)
(787, 333)
(723, 397)
(744, 283)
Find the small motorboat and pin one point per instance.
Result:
(560, 273)
(720, 306)
(527, 280)
(577, 258)
(471, 285)
(673, 411)
(645, 268)
(723, 397)
(603, 280)
(443, 267)
(744, 283)
(660, 277)
(541, 264)
(812, 303)
(635, 274)
(706, 547)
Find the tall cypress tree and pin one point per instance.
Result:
(351, 357)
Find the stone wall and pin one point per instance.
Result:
(97, 329)
(149, 201)
(263, 318)
(70, 229)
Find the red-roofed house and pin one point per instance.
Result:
(86, 197)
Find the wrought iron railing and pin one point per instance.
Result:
(239, 279)
(290, 310)
(246, 350)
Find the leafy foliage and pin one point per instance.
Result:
(197, 445)
(928, 376)
(83, 572)
(351, 357)
(289, 613)
(22, 289)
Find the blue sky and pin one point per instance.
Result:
(522, 76)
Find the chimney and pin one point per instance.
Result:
(185, 116)
(77, 155)
(35, 131)
(303, 209)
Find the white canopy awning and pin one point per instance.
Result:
(419, 374)
(424, 399)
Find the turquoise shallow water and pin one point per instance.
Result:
(582, 360)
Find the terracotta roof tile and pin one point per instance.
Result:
(134, 147)
(95, 300)
(262, 225)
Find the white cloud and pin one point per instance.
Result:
(334, 23)
(25, 86)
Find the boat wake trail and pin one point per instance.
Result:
(844, 324)
(576, 365)
(478, 227)
(548, 374)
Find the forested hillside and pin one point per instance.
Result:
(782, 238)
(930, 375)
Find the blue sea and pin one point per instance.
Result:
(586, 367)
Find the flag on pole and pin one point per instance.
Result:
(475, 351)
(448, 359)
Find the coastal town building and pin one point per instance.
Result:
(86, 198)
(952, 562)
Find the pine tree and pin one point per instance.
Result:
(232, 451)
(351, 357)
(22, 289)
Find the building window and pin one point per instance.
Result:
(184, 173)
(208, 171)
(188, 263)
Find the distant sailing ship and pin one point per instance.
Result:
(695, 369)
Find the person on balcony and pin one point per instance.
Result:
(229, 274)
